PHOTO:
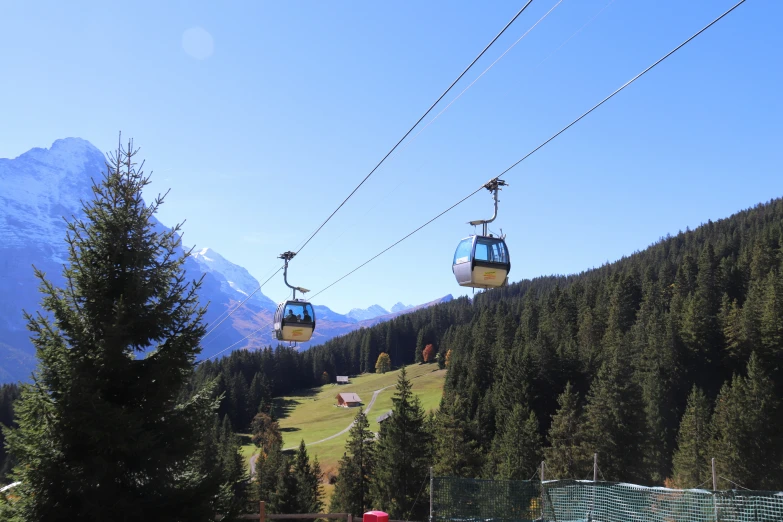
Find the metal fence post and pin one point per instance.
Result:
(715, 490)
(432, 482)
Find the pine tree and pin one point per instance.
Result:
(514, 385)
(104, 424)
(351, 491)
(273, 481)
(232, 467)
(691, 466)
(456, 449)
(308, 482)
(566, 456)
(9, 393)
(369, 351)
(418, 357)
(732, 330)
(614, 423)
(520, 445)
(771, 323)
(402, 456)
(283, 490)
(747, 431)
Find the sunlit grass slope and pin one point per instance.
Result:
(313, 415)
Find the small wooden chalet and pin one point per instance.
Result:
(348, 400)
(342, 379)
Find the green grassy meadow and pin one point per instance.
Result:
(312, 415)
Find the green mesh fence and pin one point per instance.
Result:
(469, 500)
(473, 500)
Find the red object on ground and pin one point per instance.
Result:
(375, 516)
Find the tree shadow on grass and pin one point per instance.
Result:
(284, 406)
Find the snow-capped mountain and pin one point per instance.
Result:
(42, 186)
(362, 314)
(234, 279)
(399, 307)
(381, 318)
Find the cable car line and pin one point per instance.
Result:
(220, 318)
(596, 15)
(237, 307)
(496, 179)
(248, 336)
(539, 147)
(399, 241)
(623, 86)
(415, 125)
(483, 73)
(300, 248)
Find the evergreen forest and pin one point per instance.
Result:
(657, 362)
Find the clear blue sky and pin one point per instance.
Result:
(262, 138)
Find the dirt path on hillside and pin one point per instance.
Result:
(367, 409)
(346, 430)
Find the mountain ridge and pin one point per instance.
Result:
(44, 185)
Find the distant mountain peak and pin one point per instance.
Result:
(363, 314)
(42, 186)
(399, 307)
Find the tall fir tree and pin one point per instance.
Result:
(566, 456)
(309, 491)
(8, 395)
(273, 481)
(746, 430)
(771, 326)
(614, 422)
(104, 432)
(402, 456)
(691, 464)
(231, 464)
(352, 489)
(456, 450)
(519, 448)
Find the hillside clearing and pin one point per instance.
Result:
(312, 415)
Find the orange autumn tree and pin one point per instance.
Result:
(383, 364)
(428, 353)
(265, 432)
(448, 357)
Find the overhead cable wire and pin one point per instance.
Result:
(379, 254)
(227, 311)
(539, 147)
(237, 307)
(591, 20)
(248, 336)
(480, 75)
(300, 248)
(623, 86)
(415, 125)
